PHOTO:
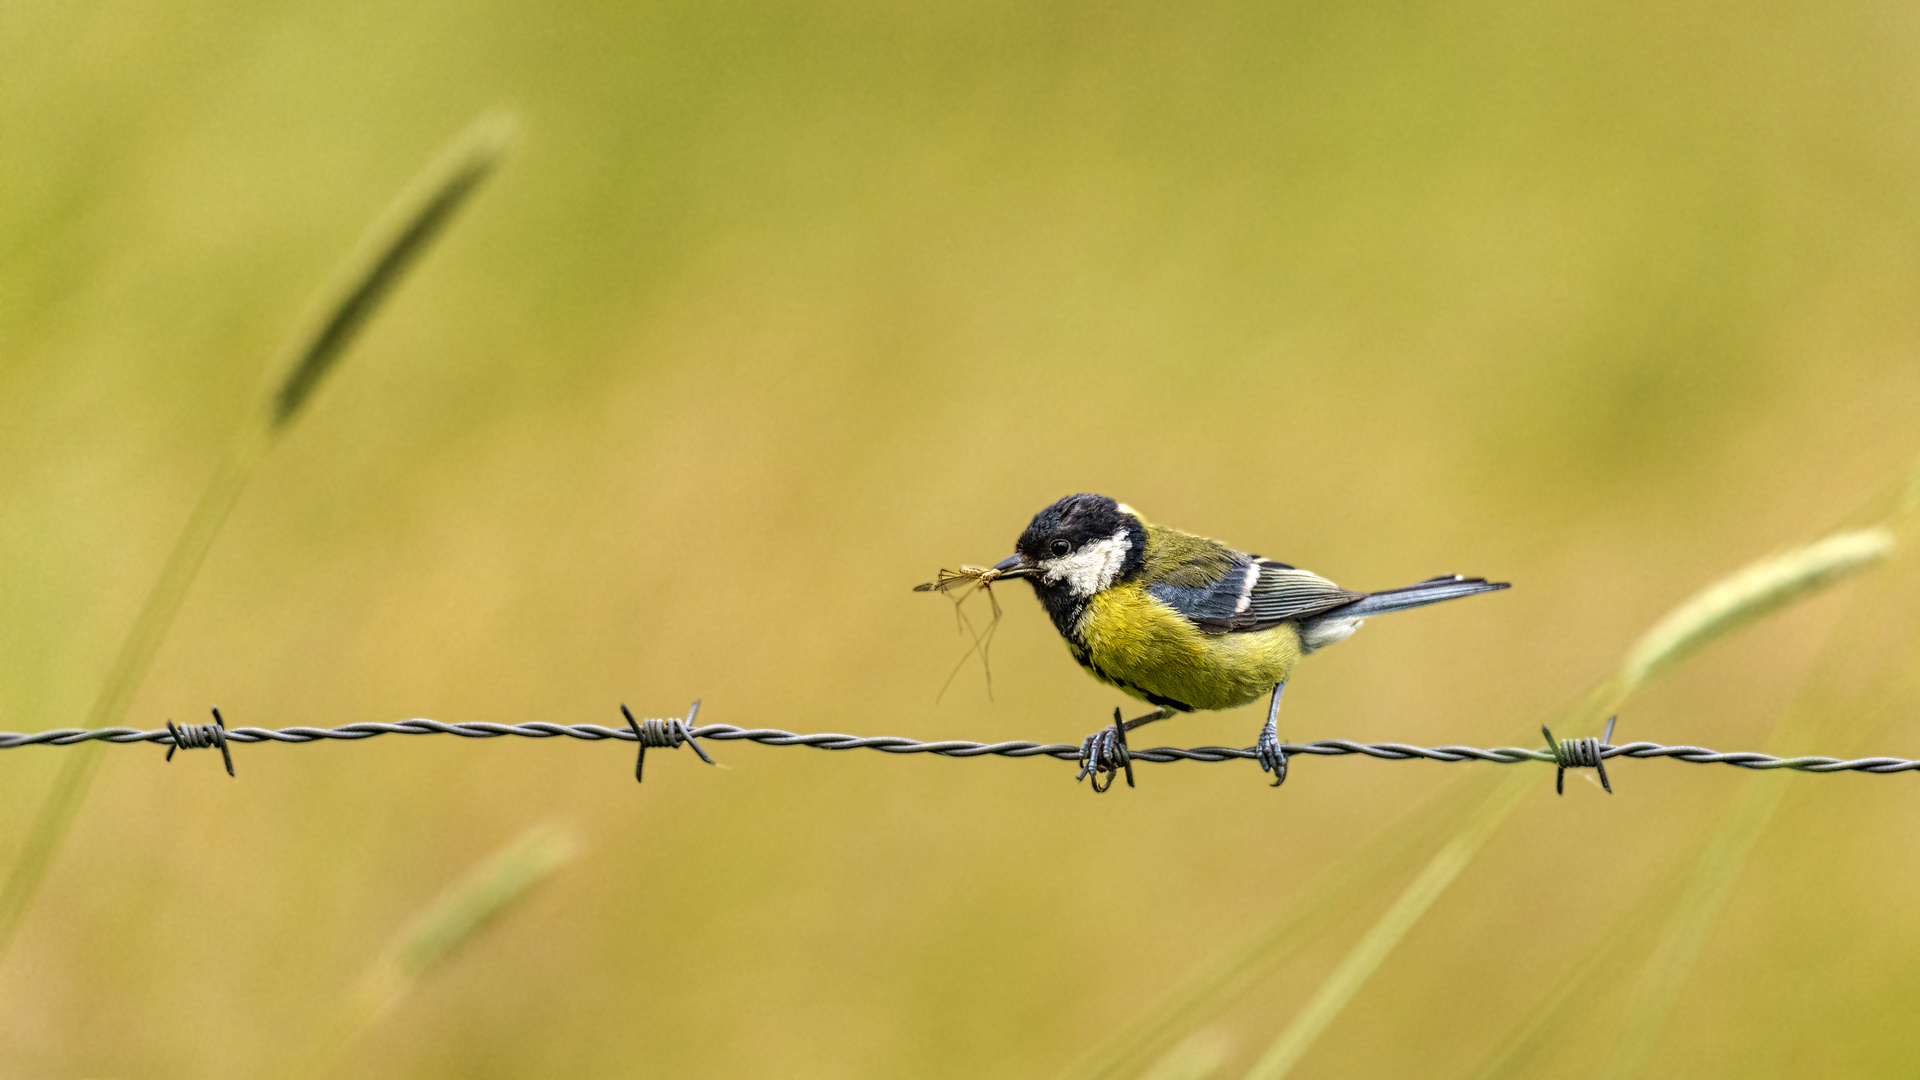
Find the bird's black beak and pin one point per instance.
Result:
(1015, 565)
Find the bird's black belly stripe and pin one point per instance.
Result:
(1167, 702)
(1156, 699)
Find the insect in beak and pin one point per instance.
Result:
(1013, 566)
(959, 584)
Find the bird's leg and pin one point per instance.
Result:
(1272, 758)
(1162, 713)
(1103, 754)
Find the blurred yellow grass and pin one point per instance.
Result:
(1720, 609)
(776, 310)
(1857, 676)
(415, 219)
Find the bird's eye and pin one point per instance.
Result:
(1059, 547)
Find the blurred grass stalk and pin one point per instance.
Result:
(1542, 1026)
(451, 922)
(1329, 896)
(1686, 927)
(1727, 606)
(1694, 898)
(1200, 1056)
(1725, 855)
(1366, 956)
(389, 249)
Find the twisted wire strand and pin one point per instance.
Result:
(893, 744)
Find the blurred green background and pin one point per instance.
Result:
(778, 308)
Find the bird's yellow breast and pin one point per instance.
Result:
(1133, 641)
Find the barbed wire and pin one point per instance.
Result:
(190, 737)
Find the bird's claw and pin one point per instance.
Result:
(1104, 755)
(1271, 757)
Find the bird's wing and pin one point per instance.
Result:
(1253, 594)
(1284, 593)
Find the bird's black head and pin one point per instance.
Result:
(1075, 548)
(1092, 527)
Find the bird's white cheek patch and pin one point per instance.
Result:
(1090, 569)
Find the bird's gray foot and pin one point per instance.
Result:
(1104, 754)
(1272, 759)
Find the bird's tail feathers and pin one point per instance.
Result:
(1420, 594)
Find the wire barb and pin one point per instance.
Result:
(201, 737)
(1587, 753)
(665, 734)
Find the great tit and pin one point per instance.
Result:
(1187, 623)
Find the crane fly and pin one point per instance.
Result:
(957, 585)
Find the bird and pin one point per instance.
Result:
(1186, 623)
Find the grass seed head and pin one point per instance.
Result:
(1749, 593)
(472, 904)
(395, 243)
